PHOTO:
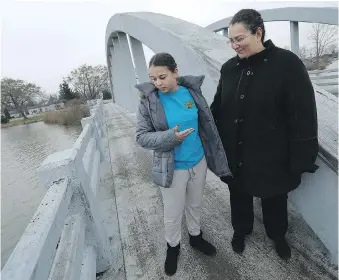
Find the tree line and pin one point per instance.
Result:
(322, 40)
(84, 83)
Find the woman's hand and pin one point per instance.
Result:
(182, 134)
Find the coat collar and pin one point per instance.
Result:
(191, 82)
(269, 46)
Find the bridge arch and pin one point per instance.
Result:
(292, 14)
(196, 50)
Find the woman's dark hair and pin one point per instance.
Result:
(251, 19)
(163, 59)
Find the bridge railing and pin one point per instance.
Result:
(327, 79)
(65, 238)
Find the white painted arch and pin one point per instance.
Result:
(293, 14)
(196, 50)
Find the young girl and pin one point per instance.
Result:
(174, 121)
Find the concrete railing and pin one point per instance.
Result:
(326, 79)
(65, 238)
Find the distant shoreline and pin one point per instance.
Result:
(22, 121)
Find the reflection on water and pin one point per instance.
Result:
(23, 148)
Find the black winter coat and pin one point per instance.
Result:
(265, 112)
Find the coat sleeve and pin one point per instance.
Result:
(301, 117)
(148, 138)
(216, 104)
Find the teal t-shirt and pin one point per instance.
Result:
(180, 109)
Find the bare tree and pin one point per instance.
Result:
(322, 36)
(18, 94)
(304, 52)
(332, 49)
(89, 81)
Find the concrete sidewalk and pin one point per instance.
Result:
(134, 219)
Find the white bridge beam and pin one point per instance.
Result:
(293, 14)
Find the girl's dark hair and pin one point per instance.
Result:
(251, 19)
(163, 59)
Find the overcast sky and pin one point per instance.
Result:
(42, 41)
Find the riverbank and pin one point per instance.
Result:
(68, 116)
(20, 121)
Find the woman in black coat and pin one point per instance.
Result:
(266, 115)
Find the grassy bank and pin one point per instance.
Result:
(69, 116)
(20, 121)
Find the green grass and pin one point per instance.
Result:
(20, 121)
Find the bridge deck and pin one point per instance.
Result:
(133, 217)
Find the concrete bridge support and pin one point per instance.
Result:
(294, 32)
(123, 73)
(139, 60)
(225, 32)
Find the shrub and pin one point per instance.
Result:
(75, 102)
(322, 65)
(310, 65)
(4, 119)
(106, 95)
(69, 116)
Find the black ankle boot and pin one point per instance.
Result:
(171, 262)
(202, 245)
(282, 248)
(238, 242)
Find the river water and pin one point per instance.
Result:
(23, 149)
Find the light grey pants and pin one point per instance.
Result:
(186, 190)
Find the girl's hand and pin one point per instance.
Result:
(182, 134)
